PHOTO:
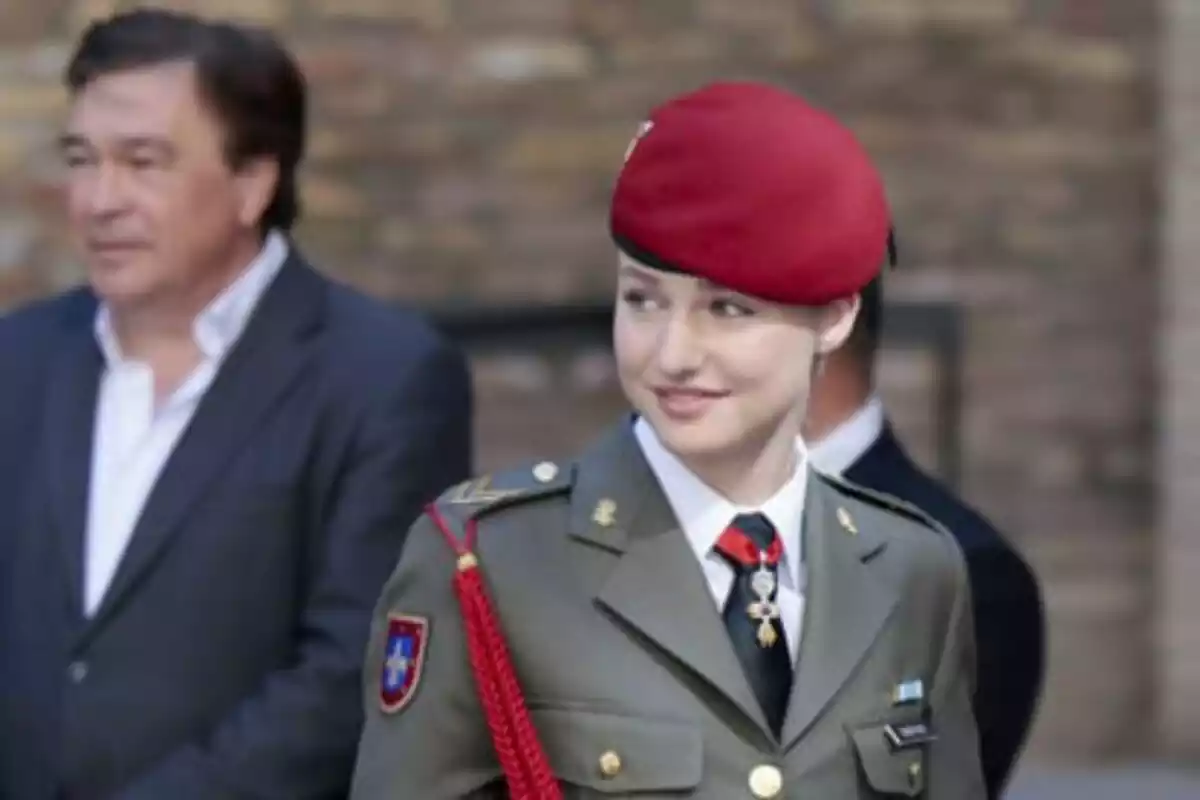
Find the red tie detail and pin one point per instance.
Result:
(740, 548)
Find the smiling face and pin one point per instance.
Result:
(717, 373)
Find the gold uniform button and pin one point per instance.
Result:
(766, 782)
(610, 764)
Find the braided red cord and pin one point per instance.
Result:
(522, 758)
(491, 697)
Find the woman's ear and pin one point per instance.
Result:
(837, 321)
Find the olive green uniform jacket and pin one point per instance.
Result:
(628, 671)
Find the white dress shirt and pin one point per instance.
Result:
(134, 436)
(703, 515)
(846, 444)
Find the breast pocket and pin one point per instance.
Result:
(595, 754)
(891, 756)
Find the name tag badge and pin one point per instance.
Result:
(908, 736)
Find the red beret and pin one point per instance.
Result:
(752, 188)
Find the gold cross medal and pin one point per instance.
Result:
(764, 610)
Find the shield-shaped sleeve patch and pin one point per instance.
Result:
(403, 659)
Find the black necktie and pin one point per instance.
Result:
(751, 614)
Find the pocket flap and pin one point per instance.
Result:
(612, 753)
(891, 772)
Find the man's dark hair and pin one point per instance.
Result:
(868, 327)
(244, 75)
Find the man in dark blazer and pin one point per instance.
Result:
(849, 436)
(209, 455)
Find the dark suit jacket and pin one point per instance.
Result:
(1009, 625)
(225, 659)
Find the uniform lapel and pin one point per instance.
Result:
(846, 609)
(656, 587)
(262, 367)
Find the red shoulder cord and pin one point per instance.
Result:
(522, 758)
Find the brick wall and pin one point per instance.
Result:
(463, 153)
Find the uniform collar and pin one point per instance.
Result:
(222, 321)
(703, 513)
(848, 442)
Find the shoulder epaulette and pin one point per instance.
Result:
(481, 495)
(881, 499)
(522, 756)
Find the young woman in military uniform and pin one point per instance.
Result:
(686, 609)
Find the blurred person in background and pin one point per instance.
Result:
(849, 436)
(220, 450)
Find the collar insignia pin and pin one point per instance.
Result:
(605, 513)
(847, 522)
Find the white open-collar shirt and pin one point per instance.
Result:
(134, 435)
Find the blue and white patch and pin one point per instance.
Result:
(403, 661)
